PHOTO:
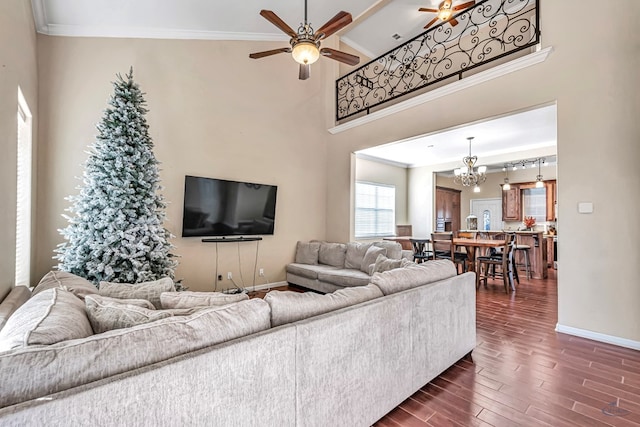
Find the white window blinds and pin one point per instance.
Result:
(375, 210)
(23, 194)
(534, 203)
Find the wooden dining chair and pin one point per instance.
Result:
(502, 260)
(421, 251)
(443, 248)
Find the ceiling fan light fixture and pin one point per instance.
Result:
(444, 14)
(305, 52)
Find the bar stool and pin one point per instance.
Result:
(525, 249)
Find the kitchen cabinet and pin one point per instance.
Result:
(551, 194)
(512, 204)
(447, 209)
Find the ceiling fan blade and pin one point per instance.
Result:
(463, 6)
(433, 21)
(305, 70)
(453, 22)
(259, 55)
(347, 58)
(426, 9)
(275, 20)
(341, 20)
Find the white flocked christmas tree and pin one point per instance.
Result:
(116, 232)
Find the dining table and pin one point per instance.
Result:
(472, 246)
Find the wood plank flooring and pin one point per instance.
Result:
(523, 373)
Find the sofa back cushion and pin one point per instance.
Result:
(289, 306)
(332, 254)
(354, 255)
(146, 290)
(68, 364)
(307, 253)
(52, 316)
(394, 249)
(189, 299)
(383, 264)
(79, 286)
(400, 279)
(17, 296)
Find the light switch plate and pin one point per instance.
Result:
(585, 207)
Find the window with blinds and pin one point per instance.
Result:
(375, 210)
(23, 194)
(534, 203)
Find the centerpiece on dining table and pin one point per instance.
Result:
(529, 222)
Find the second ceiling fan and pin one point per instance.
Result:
(305, 44)
(445, 12)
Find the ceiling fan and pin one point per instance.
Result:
(445, 12)
(305, 44)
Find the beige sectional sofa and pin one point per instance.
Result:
(293, 359)
(327, 266)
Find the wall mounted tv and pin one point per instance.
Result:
(217, 207)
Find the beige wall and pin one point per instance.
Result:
(17, 68)
(593, 78)
(382, 173)
(212, 112)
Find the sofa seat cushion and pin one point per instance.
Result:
(189, 299)
(17, 296)
(411, 276)
(71, 363)
(79, 286)
(309, 271)
(146, 290)
(52, 316)
(345, 277)
(288, 306)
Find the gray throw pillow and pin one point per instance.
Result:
(79, 286)
(51, 316)
(332, 254)
(146, 290)
(355, 254)
(307, 253)
(106, 314)
(370, 257)
(189, 299)
(385, 264)
(394, 249)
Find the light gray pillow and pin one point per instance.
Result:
(332, 254)
(355, 254)
(370, 257)
(17, 296)
(101, 299)
(189, 299)
(394, 249)
(385, 264)
(146, 290)
(51, 316)
(289, 306)
(307, 253)
(79, 286)
(106, 314)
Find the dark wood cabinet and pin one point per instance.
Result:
(447, 209)
(511, 204)
(551, 188)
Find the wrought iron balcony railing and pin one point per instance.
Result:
(490, 30)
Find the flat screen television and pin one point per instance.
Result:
(217, 207)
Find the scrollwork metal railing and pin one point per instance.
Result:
(490, 30)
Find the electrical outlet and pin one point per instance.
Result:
(229, 275)
(219, 277)
(261, 272)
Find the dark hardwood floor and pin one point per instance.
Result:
(524, 373)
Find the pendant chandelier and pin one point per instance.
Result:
(468, 175)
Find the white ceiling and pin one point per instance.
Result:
(375, 21)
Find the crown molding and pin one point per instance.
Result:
(473, 80)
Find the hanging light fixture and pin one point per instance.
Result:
(467, 175)
(506, 186)
(539, 182)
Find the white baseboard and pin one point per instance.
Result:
(597, 336)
